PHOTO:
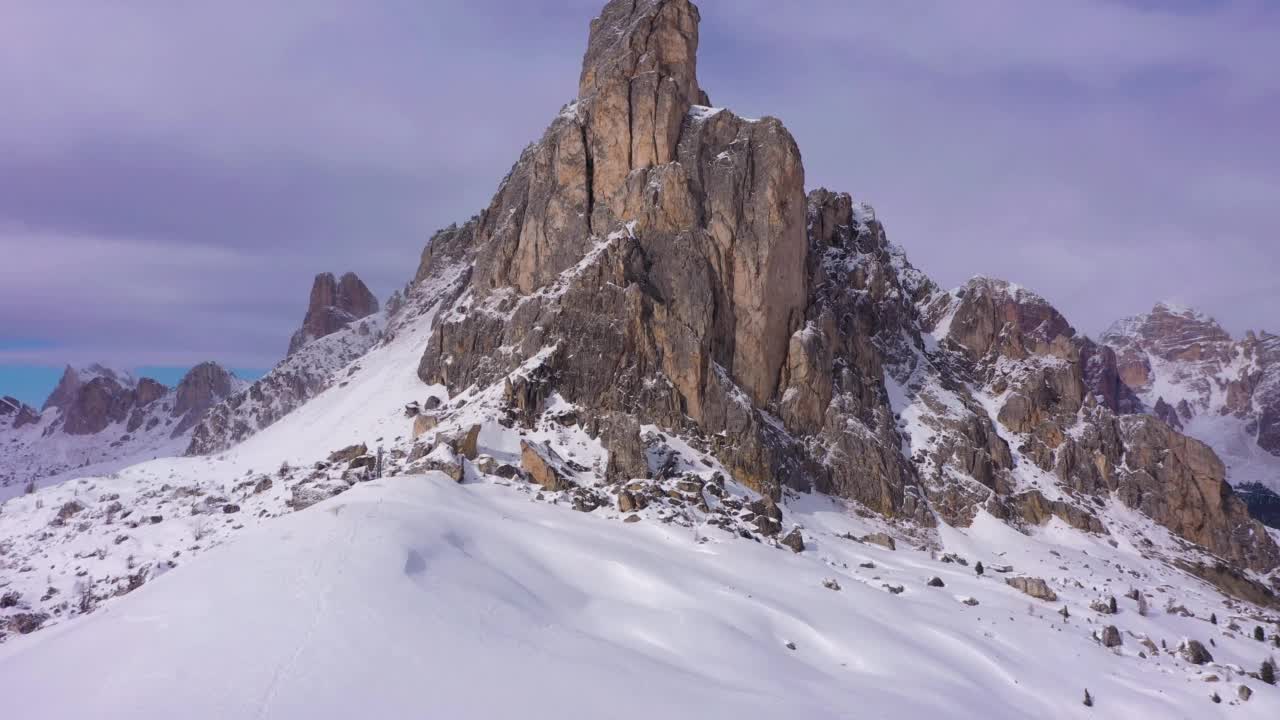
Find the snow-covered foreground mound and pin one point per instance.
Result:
(418, 597)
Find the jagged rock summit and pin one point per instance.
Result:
(1184, 365)
(16, 413)
(1190, 372)
(334, 305)
(653, 261)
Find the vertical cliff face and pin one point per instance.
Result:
(655, 261)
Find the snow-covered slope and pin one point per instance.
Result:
(307, 371)
(416, 595)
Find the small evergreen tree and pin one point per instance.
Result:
(1142, 605)
(1111, 605)
(1268, 672)
(1088, 699)
(978, 568)
(1066, 614)
(1259, 634)
(1214, 697)
(1213, 618)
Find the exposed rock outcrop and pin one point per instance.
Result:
(655, 259)
(200, 389)
(334, 305)
(1035, 587)
(16, 414)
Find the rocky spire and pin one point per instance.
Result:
(639, 80)
(653, 261)
(708, 207)
(334, 305)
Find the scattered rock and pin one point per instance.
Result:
(9, 599)
(768, 516)
(1194, 652)
(1244, 693)
(831, 584)
(305, 495)
(1111, 637)
(626, 502)
(936, 582)
(632, 519)
(794, 540)
(508, 472)
(423, 424)
(970, 601)
(348, 454)
(894, 589)
(69, 510)
(881, 539)
(364, 461)
(26, 623)
(1035, 587)
(230, 509)
(443, 459)
(468, 443)
(542, 464)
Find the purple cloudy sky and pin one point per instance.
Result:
(174, 173)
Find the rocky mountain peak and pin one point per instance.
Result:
(73, 378)
(652, 261)
(96, 404)
(1189, 372)
(204, 386)
(1171, 333)
(989, 316)
(334, 305)
(16, 414)
(639, 80)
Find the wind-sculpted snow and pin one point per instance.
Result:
(417, 595)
